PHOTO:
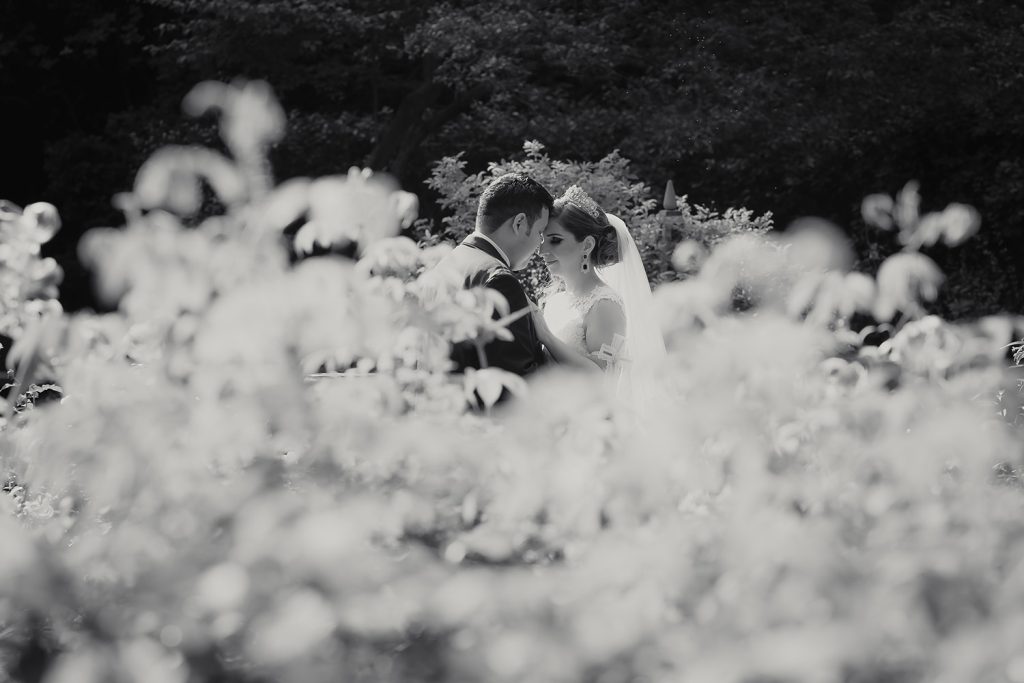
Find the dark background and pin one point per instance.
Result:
(789, 106)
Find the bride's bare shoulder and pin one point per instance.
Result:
(606, 293)
(607, 313)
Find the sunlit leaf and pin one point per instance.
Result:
(877, 210)
(489, 383)
(960, 222)
(904, 280)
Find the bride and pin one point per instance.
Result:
(604, 318)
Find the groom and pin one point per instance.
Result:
(510, 222)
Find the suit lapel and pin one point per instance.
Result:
(474, 242)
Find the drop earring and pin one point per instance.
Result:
(585, 264)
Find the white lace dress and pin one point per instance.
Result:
(565, 314)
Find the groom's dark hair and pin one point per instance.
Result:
(508, 195)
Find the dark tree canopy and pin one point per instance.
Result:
(794, 107)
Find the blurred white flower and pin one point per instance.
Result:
(43, 220)
(689, 256)
(171, 177)
(988, 337)
(746, 260)
(297, 623)
(406, 206)
(222, 587)
(960, 221)
(82, 665)
(225, 339)
(816, 244)
(144, 659)
(824, 295)
(431, 256)
(284, 205)
(859, 292)
(689, 305)
(905, 279)
(953, 225)
(489, 383)
(339, 317)
(843, 374)
(908, 208)
(458, 598)
(877, 210)
(511, 653)
(813, 294)
(929, 345)
(251, 119)
(927, 232)
(395, 256)
(788, 438)
(19, 556)
(41, 280)
(361, 207)
(777, 496)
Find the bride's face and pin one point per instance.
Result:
(561, 251)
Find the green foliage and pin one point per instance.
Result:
(198, 507)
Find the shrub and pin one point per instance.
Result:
(612, 185)
(196, 508)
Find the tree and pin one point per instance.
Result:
(793, 108)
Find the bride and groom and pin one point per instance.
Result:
(601, 321)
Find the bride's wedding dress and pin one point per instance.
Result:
(633, 361)
(566, 315)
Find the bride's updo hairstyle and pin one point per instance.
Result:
(582, 217)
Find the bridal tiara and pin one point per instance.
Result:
(581, 200)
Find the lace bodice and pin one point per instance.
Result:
(565, 314)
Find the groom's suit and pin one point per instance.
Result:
(479, 264)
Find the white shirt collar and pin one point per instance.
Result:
(501, 252)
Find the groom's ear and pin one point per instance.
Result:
(520, 224)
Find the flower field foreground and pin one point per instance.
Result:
(799, 507)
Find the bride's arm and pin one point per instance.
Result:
(562, 353)
(603, 323)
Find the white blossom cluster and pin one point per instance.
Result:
(264, 471)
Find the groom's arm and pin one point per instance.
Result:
(521, 354)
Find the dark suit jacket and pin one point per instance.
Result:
(480, 265)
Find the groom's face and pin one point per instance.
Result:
(532, 237)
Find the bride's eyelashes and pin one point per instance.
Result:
(553, 240)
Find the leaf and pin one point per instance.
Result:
(877, 210)
(285, 204)
(908, 208)
(170, 179)
(859, 292)
(489, 383)
(45, 221)
(689, 256)
(905, 279)
(960, 222)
